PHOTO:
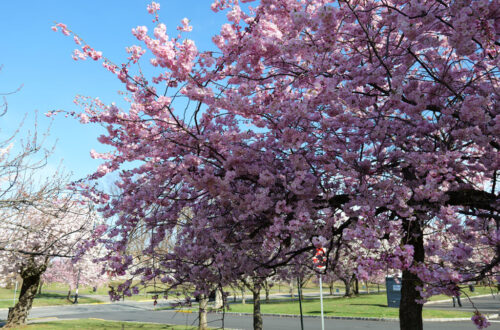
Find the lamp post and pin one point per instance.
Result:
(300, 303)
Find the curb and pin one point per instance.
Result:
(314, 316)
(448, 300)
(47, 319)
(380, 319)
(87, 304)
(43, 319)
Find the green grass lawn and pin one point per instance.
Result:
(86, 290)
(44, 299)
(372, 305)
(310, 286)
(101, 324)
(54, 292)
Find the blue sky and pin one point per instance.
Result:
(34, 56)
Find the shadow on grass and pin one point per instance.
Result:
(51, 296)
(319, 312)
(378, 305)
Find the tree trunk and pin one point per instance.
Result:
(266, 287)
(257, 316)
(31, 280)
(410, 312)
(291, 289)
(69, 294)
(243, 300)
(40, 287)
(218, 303)
(356, 287)
(224, 301)
(347, 284)
(202, 314)
(330, 286)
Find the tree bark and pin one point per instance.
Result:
(257, 316)
(224, 301)
(202, 314)
(291, 289)
(356, 287)
(69, 294)
(347, 284)
(40, 287)
(267, 289)
(330, 286)
(410, 312)
(243, 300)
(31, 280)
(218, 303)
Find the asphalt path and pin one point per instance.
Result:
(143, 312)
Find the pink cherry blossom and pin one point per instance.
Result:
(371, 125)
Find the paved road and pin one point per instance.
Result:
(489, 304)
(143, 312)
(135, 313)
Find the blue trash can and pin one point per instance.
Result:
(393, 289)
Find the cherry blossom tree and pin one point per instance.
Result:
(345, 271)
(41, 218)
(21, 156)
(29, 239)
(83, 272)
(366, 121)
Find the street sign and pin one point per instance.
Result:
(319, 258)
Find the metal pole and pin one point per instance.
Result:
(300, 304)
(321, 300)
(15, 294)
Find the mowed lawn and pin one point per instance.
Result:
(145, 293)
(44, 299)
(371, 305)
(101, 324)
